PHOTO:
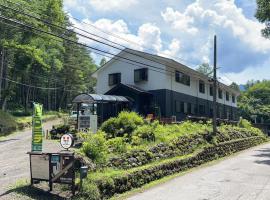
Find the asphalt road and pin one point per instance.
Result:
(242, 177)
(14, 162)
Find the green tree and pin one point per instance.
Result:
(235, 86)
(256, 101)
(205, 69)
(102, 62)
(263, 15)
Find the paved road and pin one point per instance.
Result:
(242, 177)
(14, 162)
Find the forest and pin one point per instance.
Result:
(38, 67)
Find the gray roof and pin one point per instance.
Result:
(98, 98)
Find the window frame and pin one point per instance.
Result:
(182, 78)
(202, 83)
(220, 92)
(233, 98)
(227, 96)
(211, 90)
(117, 80)
(141, 78)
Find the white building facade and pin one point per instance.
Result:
(156, 84)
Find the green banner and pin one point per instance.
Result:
(37, 128)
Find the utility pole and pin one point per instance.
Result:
(215, 88)
(1, 71)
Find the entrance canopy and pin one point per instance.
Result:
(99, 98)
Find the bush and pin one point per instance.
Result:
(124, 123)
(117, 145)
(243, 123)
(7, 123)
(95, 147)
(89, 191)
(145, 132)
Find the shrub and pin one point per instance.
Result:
(89, 191)
(95, 147)
(117, 145)
(243, 123)
(145, 132)
(124, 123)
(7, 123)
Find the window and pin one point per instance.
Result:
(233, 98)
(201, 109)
(201, 87)
(227, 96)
(114, 79)
(182, 78)
(182, 107)
(189, 110)
(140, 75)
(220, 95)
(211, 90)
(177, 106)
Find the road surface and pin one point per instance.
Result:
(14, 162)
(242, 177)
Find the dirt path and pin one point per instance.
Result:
(14, 162)
(242, 177)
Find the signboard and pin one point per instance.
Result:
(84, 122)
(40, 166)
(37, 128)
(93, 123)
(66, 141)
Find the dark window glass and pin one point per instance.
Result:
(182, 78)
(114, 79)
(140, 75)
(227, 96)
(211, 90)
(233, 98)
(182, 107)
(201, 87)
(201, 109)
(220, 95)
(177, 106)
(189, 110)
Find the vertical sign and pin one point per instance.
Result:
(37, 128)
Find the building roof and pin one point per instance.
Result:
(168, 62)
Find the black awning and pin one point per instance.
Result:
(98, 98)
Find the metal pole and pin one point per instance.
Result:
(215, 88)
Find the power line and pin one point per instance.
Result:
(108, 33)
(31, 86)
(63, 28)
(92, 48)
(75, 42)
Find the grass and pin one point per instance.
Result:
(173, 176)
(112, 172)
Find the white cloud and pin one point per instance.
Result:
(196, 25)
(249, 73)
(107, 5)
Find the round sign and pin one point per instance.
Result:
(66, 141)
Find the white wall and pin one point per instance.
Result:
(156, 80)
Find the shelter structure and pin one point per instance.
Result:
(104, 106)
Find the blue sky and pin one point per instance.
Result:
(183, 30)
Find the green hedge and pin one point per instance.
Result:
(106, 186)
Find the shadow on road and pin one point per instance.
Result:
(263, 153)
(3, 141)
(34, 193)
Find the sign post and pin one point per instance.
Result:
(37, 128)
